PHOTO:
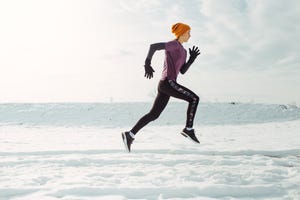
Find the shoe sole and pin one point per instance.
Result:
(187, 136)
(125, 142)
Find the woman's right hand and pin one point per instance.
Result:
(148, 69)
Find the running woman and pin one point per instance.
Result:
(175, 62)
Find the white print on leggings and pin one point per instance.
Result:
(191, 95)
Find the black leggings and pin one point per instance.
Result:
(166, 89)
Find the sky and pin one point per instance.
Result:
(94, 51)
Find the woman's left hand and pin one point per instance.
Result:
(194, 52)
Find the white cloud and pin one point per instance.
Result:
(263, 31)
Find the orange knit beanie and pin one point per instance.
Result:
(179, 28)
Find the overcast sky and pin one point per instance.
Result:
(94, 51)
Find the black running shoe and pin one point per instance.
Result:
(127, 139)
(190, 135)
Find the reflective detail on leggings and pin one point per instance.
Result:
(193, 103)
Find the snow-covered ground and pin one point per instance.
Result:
(235, 160)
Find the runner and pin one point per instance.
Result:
(175, 62)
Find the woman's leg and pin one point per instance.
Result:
(176, 90)
(159, 105)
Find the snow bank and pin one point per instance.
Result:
(126, 114)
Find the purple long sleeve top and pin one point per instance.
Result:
(175, 58)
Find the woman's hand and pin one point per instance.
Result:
(194, 52)
(148, 69)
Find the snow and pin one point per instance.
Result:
(61, 156)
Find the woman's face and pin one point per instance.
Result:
(186, 36)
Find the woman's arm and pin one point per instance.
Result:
(154, 47)
(186, 66)
(193, 55)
